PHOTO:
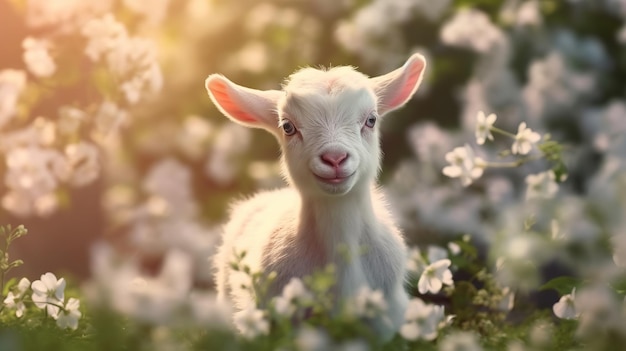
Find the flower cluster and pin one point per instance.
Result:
(423, 321)
(132, 60)
(167, 298)
(48, 294)
(45, 153)
(467, 167)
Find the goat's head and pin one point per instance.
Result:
(325, 120)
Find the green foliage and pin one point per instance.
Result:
(563, 284)
(477, 304)
(7, 236)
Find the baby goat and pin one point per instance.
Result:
(326, 122)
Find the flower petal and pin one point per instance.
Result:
(60, 289)
(452, 171)
(23, 285)
(410, 331)
(49, 280)
(39, 287)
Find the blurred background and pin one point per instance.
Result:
(107, 134)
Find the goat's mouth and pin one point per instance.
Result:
(335, 180)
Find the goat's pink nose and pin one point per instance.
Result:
(334, 159)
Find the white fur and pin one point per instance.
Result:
(299, 229)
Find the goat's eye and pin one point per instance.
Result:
(371, 120)
(288, 128)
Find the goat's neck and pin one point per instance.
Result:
(336, 223)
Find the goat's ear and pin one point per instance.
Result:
(249, 107)
(395, 88)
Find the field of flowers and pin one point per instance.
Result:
(506, 172)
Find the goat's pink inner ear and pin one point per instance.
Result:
(408, 85)
(221, 94)
(395, 88)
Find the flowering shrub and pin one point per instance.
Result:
(509, 178)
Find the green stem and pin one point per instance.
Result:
(501, 131)
(512, 164)
(5, 255)
(26, 299)
(2, 282)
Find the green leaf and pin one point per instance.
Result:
(560, 171)
(8, 285)
(563, 285)
(620, 286)
(15, 263)
(467, 249)
(18, 232)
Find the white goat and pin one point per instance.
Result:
(326, 124)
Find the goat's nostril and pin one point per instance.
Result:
(334, 159)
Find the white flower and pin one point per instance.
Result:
(70, 119)
(524, 140)
(28, 170)
(37, 57)
(69, 316)
(62, 15)
(251, 322)
(309, 339)
(422, 321)
(132, 90)
(152, 299)
(31, 180)
(132, 59)
(208, 311)
(472, 29)
(454, 248)
(170, 180)
(464, 165)
(352, 345)
(565, 308)
(82, 162)
(109, 118)
(193, 136)
(541, 185)
(12, 82)
(598, 309)
(460, 341)
(483, 127)
(49, 293)
(368, 303)
(415, 263)
(555, 230)
(103, 34)
(541, 334)
(529, 14)
(254, 57)
(429, 142)
(294, 293)
(435, 276)
(135, 60)
(15, 299)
